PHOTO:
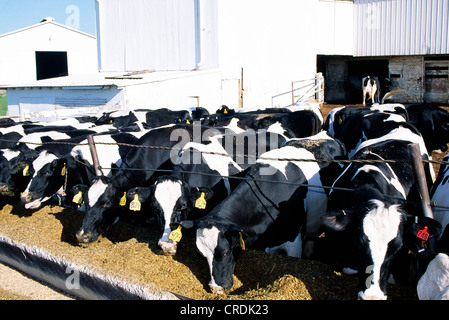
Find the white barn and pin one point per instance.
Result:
(184, 53)
(403, 42)
(44, 50)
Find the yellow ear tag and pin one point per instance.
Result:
(242, 242)
(63, 170)
(225, 111)
(123, 200)
(78, 198)
(176, 235)
(135, 205)
(26, 171)
(201, 201)
(187, 121)
(340, 120)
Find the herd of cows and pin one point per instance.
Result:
(272, 179)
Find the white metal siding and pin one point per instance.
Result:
(401, 27)
(151, 34)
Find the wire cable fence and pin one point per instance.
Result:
(247, 156)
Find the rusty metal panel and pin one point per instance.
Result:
(437, 81)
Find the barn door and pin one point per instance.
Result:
(437, 82)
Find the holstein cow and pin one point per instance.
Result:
(370, 87)
(440, 195)
(107, 196)
(434, 283)
(59, 167)
(15, 172)
(361, 126)
(270, 209)
(297, 124)
(369, 218)
(202, 171)
(433, 123)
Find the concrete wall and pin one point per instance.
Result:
(407, 73)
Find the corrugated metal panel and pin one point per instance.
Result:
(151, 34)
(401, 27)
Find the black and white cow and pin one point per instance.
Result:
(105, 195)
(161, 117)
(203, 168)
(270, 209)
(15, 173)
(59, 167)
(433, 123)
(370, 87)
(353, 126)
(369, 218)
(440, 195)
(296, 124)
(434, 283)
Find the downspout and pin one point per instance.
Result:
(198, 36)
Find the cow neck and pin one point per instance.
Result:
(263, 195)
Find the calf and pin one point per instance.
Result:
(204, 168)
(370, 87)
(368, 215)
(259, 215)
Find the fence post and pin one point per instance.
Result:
(420, 177)
(319, 83)
(93, 152)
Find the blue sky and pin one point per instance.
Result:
(17, 14)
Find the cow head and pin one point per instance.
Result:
(375, 233)
(172, 200)
(100, 201)
(15, 171)
(220, 244)
(48, 179)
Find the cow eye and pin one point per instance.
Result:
(225, 253)
(183, 206)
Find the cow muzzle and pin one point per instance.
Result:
(5, 190)
(216, 289)
(27, 200)
(168, 247)
(364, 296)
(84, 238)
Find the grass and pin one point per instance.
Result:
(3, 104)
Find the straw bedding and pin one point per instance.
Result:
(131, 252)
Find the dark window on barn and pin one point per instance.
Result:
(51, 64)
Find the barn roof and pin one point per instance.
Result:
(103, 79)
(44, 22)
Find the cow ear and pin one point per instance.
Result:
(336, 220)
(188, 224)
(143, 193)
(196, 193)
(79, 187)
(58, 163)
(422, 228)
(236, 236)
